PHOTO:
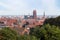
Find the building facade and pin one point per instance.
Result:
(22, 25)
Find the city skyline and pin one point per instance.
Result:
(25, 7)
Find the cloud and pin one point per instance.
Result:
(50, 7)
(14, 4)
(21, 7)
(14, 7)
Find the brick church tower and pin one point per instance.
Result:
(34, 14)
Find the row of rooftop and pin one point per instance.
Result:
(22, 25)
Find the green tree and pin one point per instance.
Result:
(11, 34)
(27, 37)
(7, 34)
(53, 21)
(46, 32)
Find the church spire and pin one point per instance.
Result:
(44, 14)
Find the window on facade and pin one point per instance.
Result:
(1, 22)
(27, 23)
(15, 23)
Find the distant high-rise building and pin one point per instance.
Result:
(34, 14)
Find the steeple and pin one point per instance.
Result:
(44, 14)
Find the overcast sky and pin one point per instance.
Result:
(25, 7)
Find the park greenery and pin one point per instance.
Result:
(49, 31)
(53, 21)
